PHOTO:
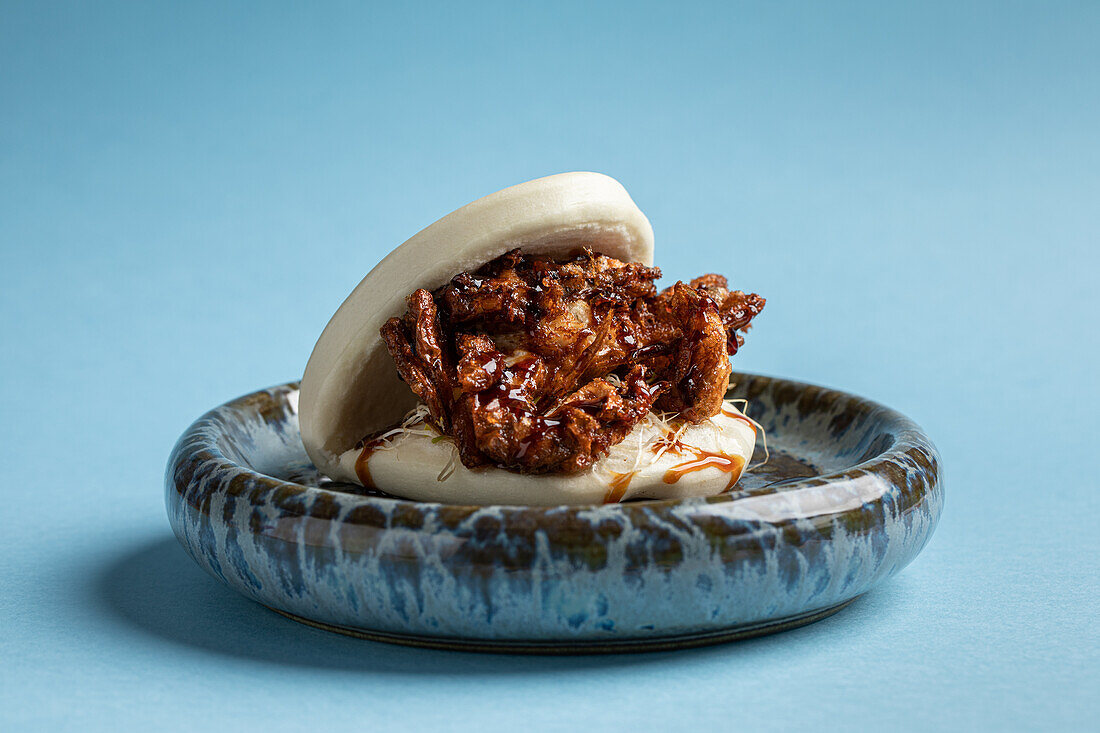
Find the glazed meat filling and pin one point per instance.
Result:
(540, 366)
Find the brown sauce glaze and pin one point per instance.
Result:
(513, 392)
(733, 465)
(616, 488)
(670, 444)
(362, 469)
(724, 462)
(739, 416)
(506, 354)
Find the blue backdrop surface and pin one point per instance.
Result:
(188, 191)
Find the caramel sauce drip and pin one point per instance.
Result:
(724, 462)
(738, 416)
(362, 469)
(617, 487)
(670, 444)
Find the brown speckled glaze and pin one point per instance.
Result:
(851, 495)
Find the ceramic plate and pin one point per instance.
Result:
(851, 493)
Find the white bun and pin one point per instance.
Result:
(412, 466)
(351, 389)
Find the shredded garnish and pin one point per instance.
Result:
(416, 423)
(664, 431)
(452, 463)
(759, 429)
(658, 433)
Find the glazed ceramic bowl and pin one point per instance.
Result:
(850, 495)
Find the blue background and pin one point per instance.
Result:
(187, 192)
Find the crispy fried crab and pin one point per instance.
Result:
(540, 366)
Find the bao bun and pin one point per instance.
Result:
(351, 390)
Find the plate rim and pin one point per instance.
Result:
(198, 443)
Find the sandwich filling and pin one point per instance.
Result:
(541, 366)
